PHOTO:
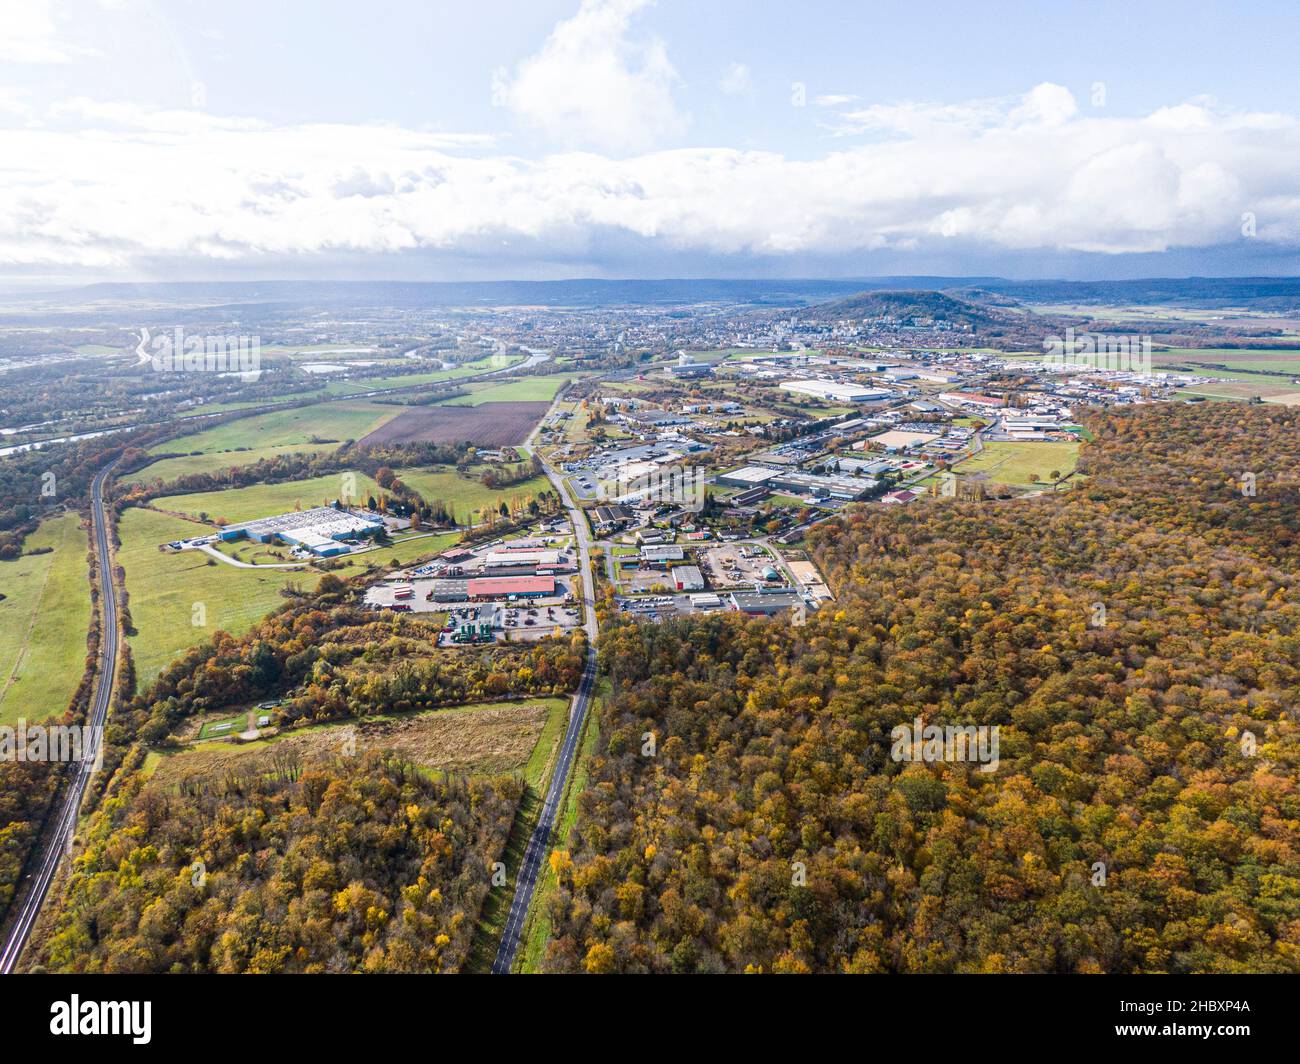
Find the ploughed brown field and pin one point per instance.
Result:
(487, 425)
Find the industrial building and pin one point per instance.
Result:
(798, 482)
(323, 530)
(764, 603)
(661, 555)
(899, 440)
(610, 518)
(511, 587)
(687, 578)
(750, 476)
(836, 392)
(822, 486)
(516, 560)
(687, 368)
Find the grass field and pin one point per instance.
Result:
(264, 500)
(463, 494)
(244, 404)
(165, 587)
(522, 390)
(482, 738)
(413, 380)
(1277, 360)
(225, 726)
(1013, 463)
(44, 618)
(326, 424)
(168, 469)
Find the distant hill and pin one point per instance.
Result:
(983, 297)
(906, 307)
(1260, 293)
(1278, 293)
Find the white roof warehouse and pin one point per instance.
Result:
(837, 392)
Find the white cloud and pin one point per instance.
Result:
(30, 33)
(737, 81)
(834, 99)
(109, 185)
(594, 83)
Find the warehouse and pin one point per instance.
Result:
(688, 578)
(509, 587)
(764, 603)
(750, 476)
(515, 560)
(610, 518)
(835, 392)
(660, 556)
(323, 530)
(827, 487)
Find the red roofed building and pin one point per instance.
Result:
(505, 586)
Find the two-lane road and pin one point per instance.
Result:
(62, 821)
(539, 840)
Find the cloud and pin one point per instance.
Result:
(834, 99)
(30, 33)
(109, 185)
(737, 81)
(594, 83)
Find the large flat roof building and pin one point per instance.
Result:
(826, 486)
(687, 578)
(662, 554)
(837, 392)
(511, 586)
(750, 476)
(764, 604)
(523, 559)
(322, 530)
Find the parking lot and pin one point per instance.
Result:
(510, 621)
(736, 565)
(658, 607)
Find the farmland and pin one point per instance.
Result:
(1021, 464)
(44, 618)
(489, 425)
(233, 505)
(523, 389)
(324, 425)
(168, 469)
(413, 380)
(463, 494)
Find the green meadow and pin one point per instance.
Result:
(44, 618)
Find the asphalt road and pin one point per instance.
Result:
(539, 840)
(63, 818)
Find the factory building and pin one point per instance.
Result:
(509, 587)
(764, 603)
(659, 556)
(323, 530)
(836, 392)
(687, 578)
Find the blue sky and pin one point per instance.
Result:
(630, 138)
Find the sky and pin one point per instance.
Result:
(196, 140)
